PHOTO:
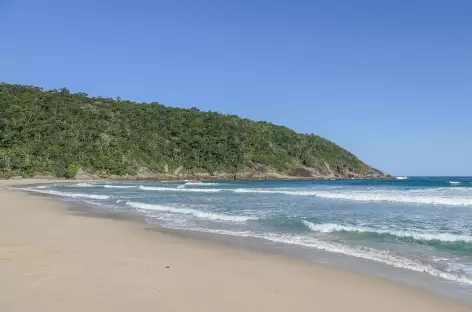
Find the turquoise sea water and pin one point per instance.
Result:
(421, 224)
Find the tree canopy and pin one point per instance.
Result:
(56, 132)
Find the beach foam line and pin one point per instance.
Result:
(171, 189)
(358, 252)
(80, 185)
(197, 213)
(118, 186)
(101, 205)
(332, 227)
(64, 194)
(399, 197)
(45, 186)
(352, 195)
(201, 183)
(275, 191)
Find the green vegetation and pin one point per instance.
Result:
(59, 133)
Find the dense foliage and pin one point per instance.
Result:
(58, 133)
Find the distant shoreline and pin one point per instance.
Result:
(196, 178)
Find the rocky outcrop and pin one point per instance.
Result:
(256, 172)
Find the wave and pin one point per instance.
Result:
(80, 185)
(332, 227)
(64, 194)
(202, 183)
(400, 197)
(196, 184)
(170, 189)
(200, 190)
(197, 213)
(401, 178)
(435, 197)
(358, 252)
(118, 186)
(101, 205)
(44, 186)
(286, 192)
(454, 182)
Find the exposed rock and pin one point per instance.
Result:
(144, 173)
(301, 172)
(83, 175)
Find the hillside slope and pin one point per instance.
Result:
(62, 134)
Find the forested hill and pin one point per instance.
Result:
(57, 133)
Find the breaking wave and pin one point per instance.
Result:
(400, 197)
(64, 194)
(437, 196)
(170, 189)
(332, 227)
(201, 183)
(197, 213)
(80, 185)
(118, 186)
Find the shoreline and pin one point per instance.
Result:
(272, 176)
(59, 268)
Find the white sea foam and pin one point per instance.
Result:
(438, 196)
(171, 189)
(401, 178)
(118, 186)
(64, 194)
(80, 185)
(431, 198)
(332, 227)
(197, 213)
(202, 183)
(454, 182)
(99, 204)
(43, 186)
(358, 252)
(276, 191)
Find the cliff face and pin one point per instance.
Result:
(72, 135)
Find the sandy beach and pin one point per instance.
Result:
(54, 259)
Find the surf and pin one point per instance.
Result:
(118, 186)
(65, 194)
(423, 236)
(197, 213)
(170, 189)
(371, 254)
(437, 196)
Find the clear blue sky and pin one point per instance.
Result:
(390, 81)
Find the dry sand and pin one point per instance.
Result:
(53, 260)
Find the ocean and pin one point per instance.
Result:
(414, 229)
